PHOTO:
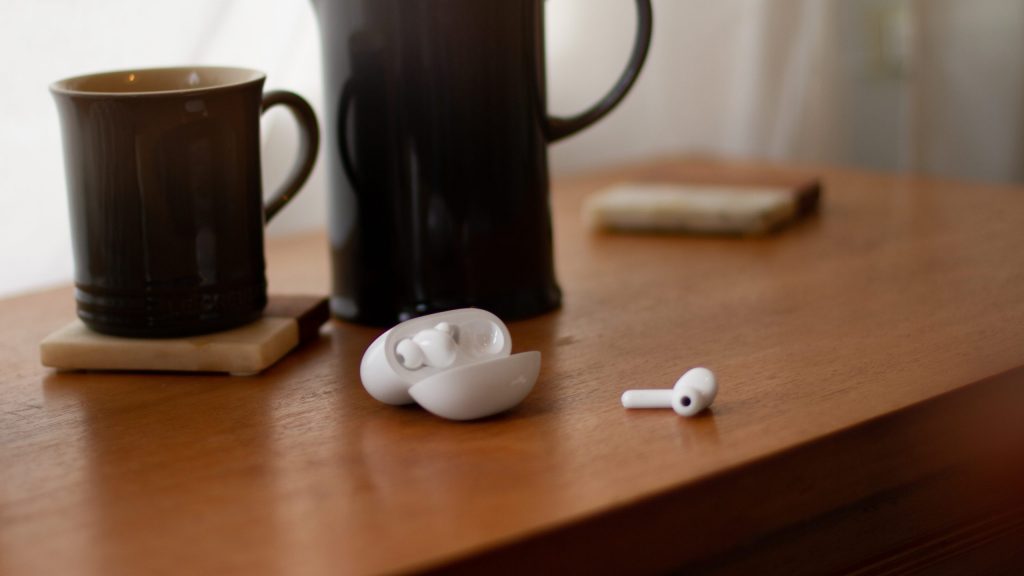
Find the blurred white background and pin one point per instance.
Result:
(925, 86)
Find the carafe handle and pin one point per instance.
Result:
(558, 128)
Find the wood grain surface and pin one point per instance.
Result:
(870, 363)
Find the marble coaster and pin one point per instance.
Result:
(287, 322)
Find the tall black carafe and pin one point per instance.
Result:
(437, 134)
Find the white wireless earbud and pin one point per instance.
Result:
(693, 392)
(434, 347)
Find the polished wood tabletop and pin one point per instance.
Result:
(851, 351)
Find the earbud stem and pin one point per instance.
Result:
(647, 399)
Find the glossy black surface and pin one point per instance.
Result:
(437, 134)
(164, 197)
(446, 203)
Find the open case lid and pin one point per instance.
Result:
(457, 364)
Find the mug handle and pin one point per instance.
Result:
(558, 128)
(308, 146)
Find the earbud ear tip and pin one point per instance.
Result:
(437, 346)
(409, 354)
(689, 401)
(379, 379)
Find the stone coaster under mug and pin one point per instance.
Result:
(287, 322)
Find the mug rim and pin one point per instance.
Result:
(64, 86)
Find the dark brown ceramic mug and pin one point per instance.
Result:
(165, 196)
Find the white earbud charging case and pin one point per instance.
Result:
(484, 379)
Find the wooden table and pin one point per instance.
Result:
(871, 363)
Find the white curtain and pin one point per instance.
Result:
(968, 89)
(732, 77)
(932, 86)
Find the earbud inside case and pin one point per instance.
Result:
(456, 364)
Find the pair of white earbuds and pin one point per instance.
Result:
(436, 347)
(693, 392)
(458, 365)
